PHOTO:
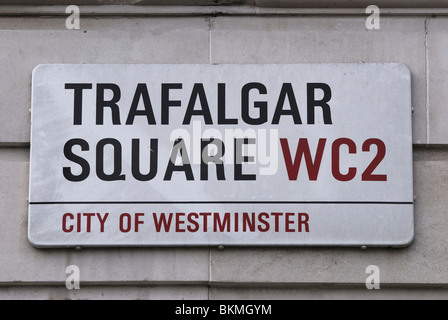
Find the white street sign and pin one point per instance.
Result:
(279, 154)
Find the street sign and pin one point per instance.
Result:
(188, 155)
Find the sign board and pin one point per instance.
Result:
(186, 155)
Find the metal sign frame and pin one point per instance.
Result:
(240, 155)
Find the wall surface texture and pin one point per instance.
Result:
(204, 32)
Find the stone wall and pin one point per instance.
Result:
(264, 31)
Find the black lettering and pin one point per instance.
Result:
(287, 91)
(312, 102)
(141, 91)
(68, 153)
(77, 104)
(166, 102)
(112, 104)
(216, 158)
(179, 147)
(116, 174)
(222, 106)
(239, 159)
(135, 166)
(198, 91)
(261, 105)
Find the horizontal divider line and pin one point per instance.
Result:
(220, 202)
